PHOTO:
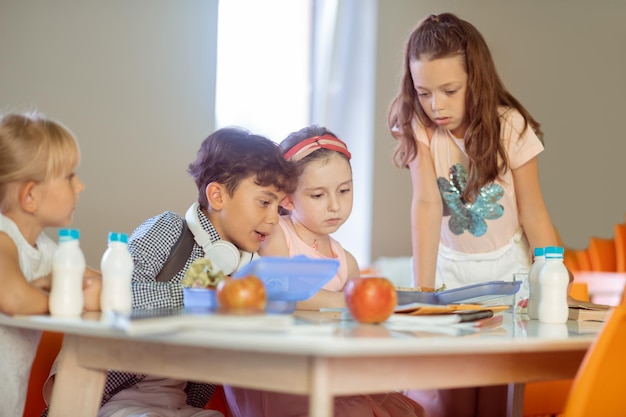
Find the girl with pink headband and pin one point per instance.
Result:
(308, 146)
(321, 203)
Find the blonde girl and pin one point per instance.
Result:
(38, 188)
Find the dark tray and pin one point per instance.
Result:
(476, 293)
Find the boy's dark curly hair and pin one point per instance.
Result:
(233, 154)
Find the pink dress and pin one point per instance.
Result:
(254, 403)
(297, 246)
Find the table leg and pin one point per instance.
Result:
(77, 391)
(515, 400)
(320, 398)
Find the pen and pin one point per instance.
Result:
(493, 321)
(464, 316)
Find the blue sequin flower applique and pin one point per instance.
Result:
(469, 216)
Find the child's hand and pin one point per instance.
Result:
(92, 287)
(43, 283)
(92, 273)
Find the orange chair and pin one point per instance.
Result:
(602, 255)
(620, 246)
(570, 260)
(218, 402)
(598, 388)
(569, 255)
(47, 351)
(579, 291)
(583, 260)
(548, 398)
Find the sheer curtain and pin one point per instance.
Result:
(342, 99)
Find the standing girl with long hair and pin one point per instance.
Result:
(471, 149)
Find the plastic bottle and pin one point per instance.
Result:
(553, 282)
(68, 268)
(117, 270)
(534, 289)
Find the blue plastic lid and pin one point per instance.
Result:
(539, 252)
(554, 251)
(66, 235)
(291, 279)
(118, 237)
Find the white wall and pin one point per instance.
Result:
(134, 80)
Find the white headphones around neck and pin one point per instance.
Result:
(223, 254)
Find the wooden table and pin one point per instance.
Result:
(349, 359)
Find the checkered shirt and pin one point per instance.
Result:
(150, 245)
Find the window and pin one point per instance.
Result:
(263, 71)
(285, 64)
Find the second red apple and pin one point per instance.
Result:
(370, 299)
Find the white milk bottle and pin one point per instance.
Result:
(68, 268)
(534, 288)
(553, 282)
(117, 271)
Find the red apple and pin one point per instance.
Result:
(370, 299)
(246, 293)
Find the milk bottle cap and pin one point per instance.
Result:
(65, 235)
(554, 252)
(118, 237)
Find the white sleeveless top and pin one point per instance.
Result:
(18, 346)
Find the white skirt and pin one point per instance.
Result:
(458, 269)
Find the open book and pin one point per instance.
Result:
(584, 311)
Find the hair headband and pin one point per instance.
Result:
(308, 146)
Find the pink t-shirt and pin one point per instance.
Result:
(298, 247)
(446, 151)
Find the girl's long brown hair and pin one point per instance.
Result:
(443, 36)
